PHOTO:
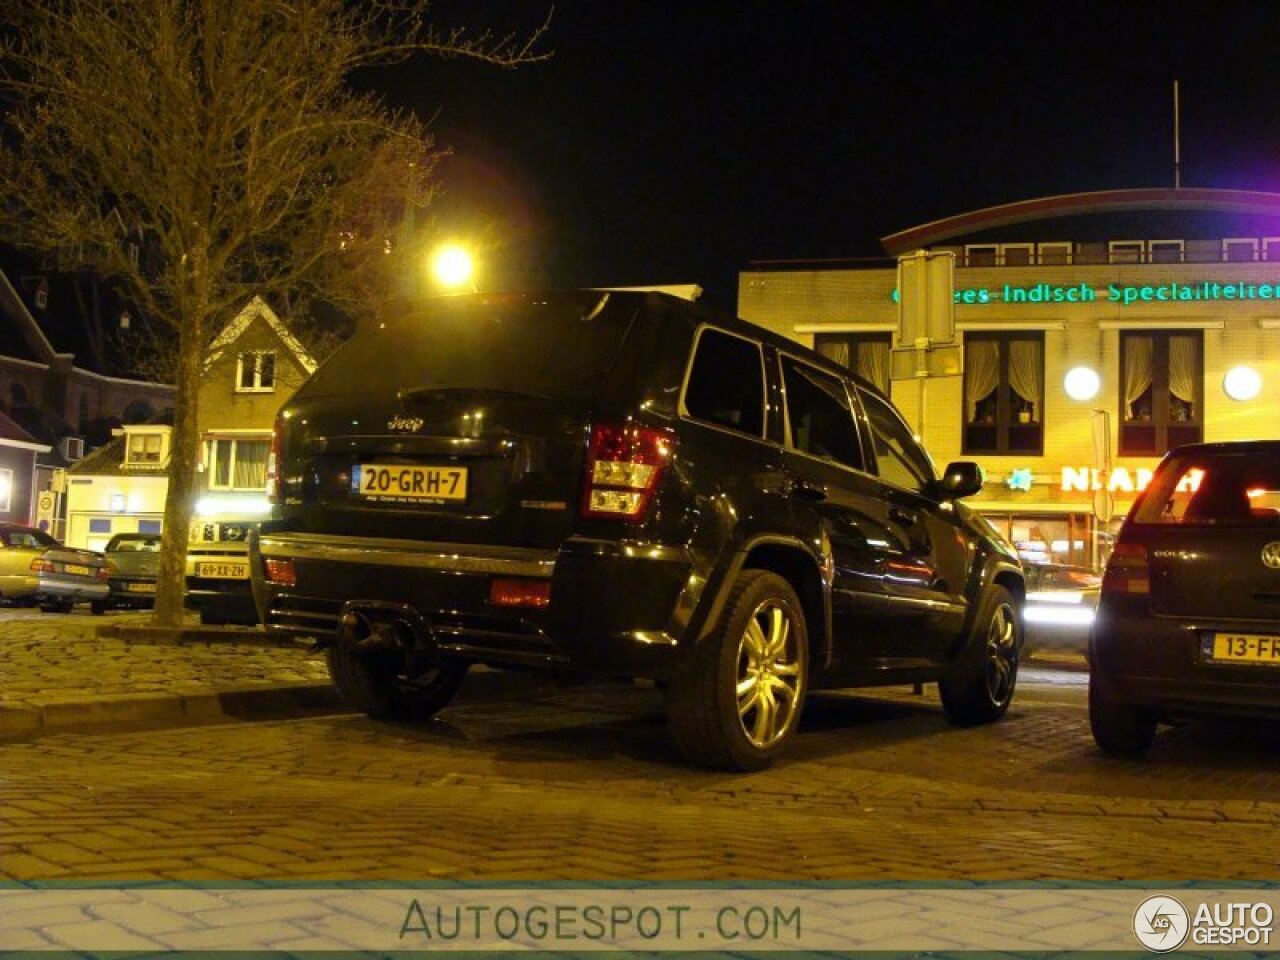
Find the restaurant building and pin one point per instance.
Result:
(1097, 331)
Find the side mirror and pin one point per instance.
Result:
(962, 478)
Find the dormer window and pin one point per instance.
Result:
(145, 448)
(256, 372)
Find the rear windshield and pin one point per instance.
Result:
(1214, 489)
(559, 346)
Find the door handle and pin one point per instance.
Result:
(807, 491)
(904, 517)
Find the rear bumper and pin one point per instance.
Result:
(62, 588)
(613, 609)
(1158, 663)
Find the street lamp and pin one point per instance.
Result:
(453, 267)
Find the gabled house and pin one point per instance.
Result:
(253, 366)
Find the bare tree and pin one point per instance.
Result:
(229, 132)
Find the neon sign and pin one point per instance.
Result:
(1119, 480)
(1126, 295)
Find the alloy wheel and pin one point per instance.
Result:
(1002, 654)
(769, 676)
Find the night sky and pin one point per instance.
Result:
(675, 142)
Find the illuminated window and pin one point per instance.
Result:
(256, 372)
(1017, 254)
(1004, 393)
(1161, 401)
(1054, 254)
(6, 489)
(144, 448)
(237, 464)
(1125, 251)
(983, 255)
(1165, 251)
(1239, 250)
(866, 354)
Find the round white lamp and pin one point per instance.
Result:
(1081, 383)
(1242, 383)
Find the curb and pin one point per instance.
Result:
(132, 711)
(178, 636)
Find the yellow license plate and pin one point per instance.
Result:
(1246, 648)
(140, 587)
(382, 481)
(223, 569)
(77, 570)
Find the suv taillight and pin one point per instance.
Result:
(1127, 571)
(273, 462)
(624, 464)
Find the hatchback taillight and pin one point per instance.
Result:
(273, 462)
(1127, 571)
(43, 566)
(624, 465)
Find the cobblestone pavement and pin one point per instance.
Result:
(47, 658)
(582, 783)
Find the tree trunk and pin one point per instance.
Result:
(184, 455)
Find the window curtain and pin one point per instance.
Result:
(1139, 355)
(1026, 373)
(873, 363)
(1182, 368)
(981, 373)
(837, 350)
(251, 464)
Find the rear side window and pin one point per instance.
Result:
(726, 383)
(1223, 489)
(819, 414)
(899, 458)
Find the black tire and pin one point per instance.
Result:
(761, 633)
(1120, 729)
(57, 606)
(377, 682)
(97, 607)
(980, 686)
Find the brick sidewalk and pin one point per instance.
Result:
(81, 672)
(60, 672)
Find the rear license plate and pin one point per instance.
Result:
(387, 481)
(77, 570)
(1242, 648)
(223, 569)
(140, 587)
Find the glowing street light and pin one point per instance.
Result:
(453, 267)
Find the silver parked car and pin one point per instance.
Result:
(37, 569)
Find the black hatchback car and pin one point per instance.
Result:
(1189, 615)
(634, 486)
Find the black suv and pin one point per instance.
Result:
(630, 485)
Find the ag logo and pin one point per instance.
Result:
(1161, 924)
(1271, 555)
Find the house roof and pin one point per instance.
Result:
(255, 308)
(108, 461)
(1184, 200)
(11, 431)
(22, 336)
